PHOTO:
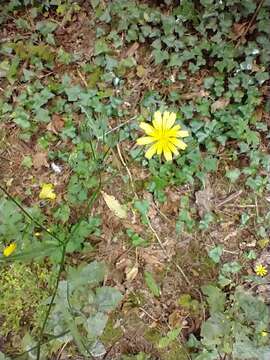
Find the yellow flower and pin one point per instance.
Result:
(47, 192)
(8, 250)
(264, 333)
(261, 270)
(163, 135)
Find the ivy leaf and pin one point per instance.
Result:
(151, 283)
(216, 253)
(101, 47)
(46, 27)
(160, 56)
(73, 92)
(107, 298)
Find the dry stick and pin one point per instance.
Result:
(149, 315)
(127, 169)
(251, 22)
(229, 198)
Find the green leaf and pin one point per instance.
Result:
(160, 56)
(96, 324)
(38, 251)
(73, 92)
(46, 27)
(169, 338)
(143, 207)
(215, 298)
(101, 47)
(216, 253)
(151, 283)
(90, 274)
(107, 298)
(233, 175)
(27, 162)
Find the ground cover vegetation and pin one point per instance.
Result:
(134, 158)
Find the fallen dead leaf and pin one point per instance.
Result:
(219, 104)
(56, 125)
(131, 273)
(115, 206)
(131, 50)
(204, 201)
(195, 94)
(39, 160)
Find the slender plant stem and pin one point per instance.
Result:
(26, 213)
(61, 268)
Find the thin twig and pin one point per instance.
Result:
(229, 198)
(127, 169)
(149, 315)
(82, 78)
(243, 34)
(120, 125)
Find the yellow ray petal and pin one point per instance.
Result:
(173, 131)
(167, 153)
(173, 148)
(182, 133)
(157, 121)
(169, 121)
(145, 140)
(149, 130)
(151, 151)
(159, 147)
(178, 143)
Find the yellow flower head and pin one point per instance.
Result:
(8, 250)
(261, 270)
(47, 192)
(163, 136)
(264, 333)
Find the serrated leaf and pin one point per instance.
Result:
(115, 206)
(151, 283)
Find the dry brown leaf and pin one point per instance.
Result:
(195, 94)
(131, 273)
(39, 160)
(219, 104)
(131, 50)
(56, 124)
(204, 201)
(115, 206)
